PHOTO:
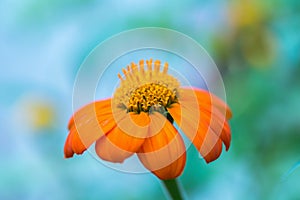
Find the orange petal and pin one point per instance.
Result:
(164, 152)
(210, 146)
(188, 120)
(125, 139)
(68, 150)
(77, 146)
(136, 125)
(218, 125)
(103, 107)
(89, 124)
(73, 144)
(205, 99)
(203, 126)
(214, 153)
(226, 136)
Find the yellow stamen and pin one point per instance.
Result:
(120, 77)
(142, 91)
(156, 66)
(133, 66)
(148, 95)
(141, 64)
(149, 64)
(166, 66)
(124, 71)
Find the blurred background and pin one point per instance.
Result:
(255, 45)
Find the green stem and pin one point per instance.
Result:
(173, 189)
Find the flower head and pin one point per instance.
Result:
(139, 118)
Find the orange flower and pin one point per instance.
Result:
(139, 119)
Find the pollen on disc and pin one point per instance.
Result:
(148, 89)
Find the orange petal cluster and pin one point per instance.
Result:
(119, 134)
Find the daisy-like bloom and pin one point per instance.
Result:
(139, 119)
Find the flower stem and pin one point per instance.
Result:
(173, 189)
